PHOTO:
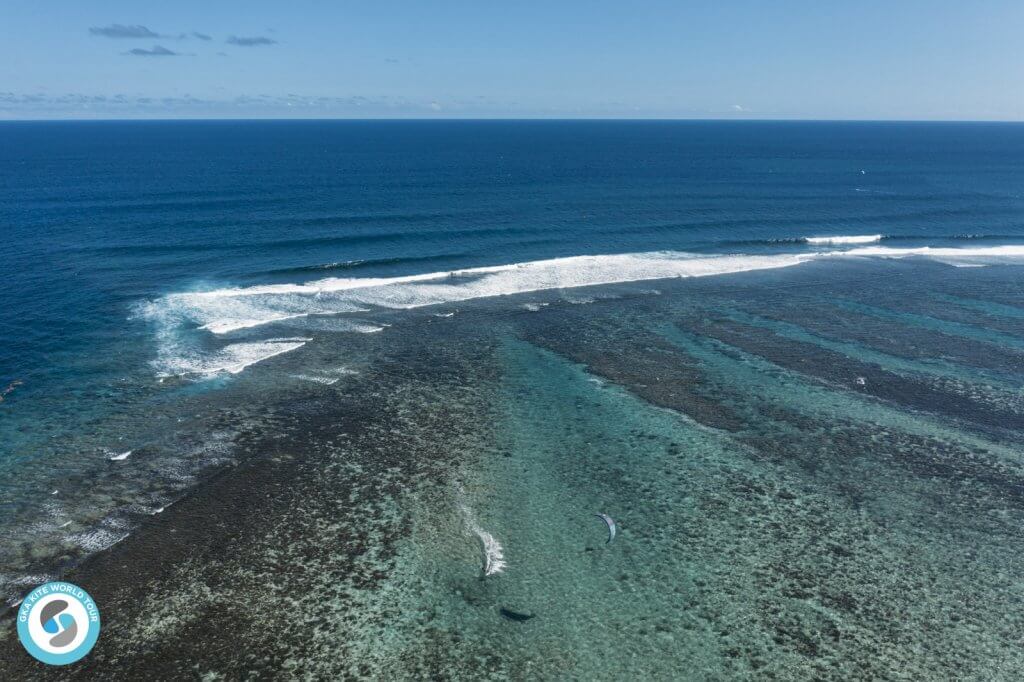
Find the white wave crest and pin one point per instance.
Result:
(222, 311)
(493, 553)
(1003, 251)
(965, 257)
(844, 239)
(225, 310)
(180, 359)
(180, 317)
(326, 381)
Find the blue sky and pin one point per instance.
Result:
(900, 59)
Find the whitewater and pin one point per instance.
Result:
(220, 313)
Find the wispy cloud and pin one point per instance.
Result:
(250, 41)
(122, 31)
(157, 51)
(137, 31)
(128, 105)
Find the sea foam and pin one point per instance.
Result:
(844, 239)
(1005, 251)
(221, 312)
(181, 360)
(493, 553)
(965, 257)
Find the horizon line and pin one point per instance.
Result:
(442, 119)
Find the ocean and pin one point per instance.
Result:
(345, 398)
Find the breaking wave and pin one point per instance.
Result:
(221, 312)
(226, 310)
(493, 559)
(957, 256)
(844, 239)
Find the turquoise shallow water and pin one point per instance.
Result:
(823, 533)
(792, 501)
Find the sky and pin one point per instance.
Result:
(784, 59)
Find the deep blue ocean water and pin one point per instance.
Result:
(145, 265)
(100, 215)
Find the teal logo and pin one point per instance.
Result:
(58, 623)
